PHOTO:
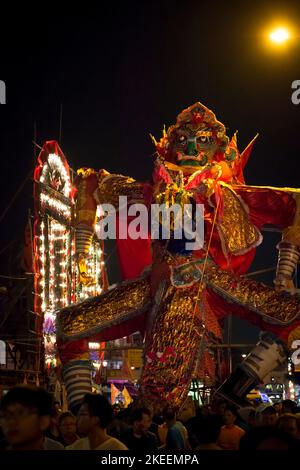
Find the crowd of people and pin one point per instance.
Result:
(29, 420)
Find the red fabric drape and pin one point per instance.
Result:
(134, 255)
(268, 206)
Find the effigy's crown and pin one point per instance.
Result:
(197, 118)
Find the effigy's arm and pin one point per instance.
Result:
(112, 186)
(96, 188)
(85, 216)
(107, 316)
(279, 207)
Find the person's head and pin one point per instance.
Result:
(54, 419)
(246, 415)
(269, 416)
(208, 430)
(288, 424)
(230, 415)
(288, 406)
(142, 419)
(277, 407)
(25, 416)
(169, 415)
(207, 410)
(158, 408)
(67, 424)
(116, 409)
(220, 407)
(95, 412)
(266, 438)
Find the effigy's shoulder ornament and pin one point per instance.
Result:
(237, 233)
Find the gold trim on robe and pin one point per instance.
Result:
(237, 233)
(113, 307)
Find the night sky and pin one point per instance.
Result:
(124, 70)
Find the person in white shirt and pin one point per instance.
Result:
(93, 418)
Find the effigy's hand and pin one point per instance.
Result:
(84, 278)
(204, 189)
(284, 285)
(173, 194)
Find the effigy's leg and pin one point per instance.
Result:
(116, 313)
(268, 354)
(173, 345)
(77, 372)
(273, 311)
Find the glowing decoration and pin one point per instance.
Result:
(54, 203)
(56, 273)
(55, 173)
(291, 390)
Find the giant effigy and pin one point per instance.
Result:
(176, 296)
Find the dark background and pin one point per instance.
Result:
(122, 71)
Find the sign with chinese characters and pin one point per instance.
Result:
(135, 358)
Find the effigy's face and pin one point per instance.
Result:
(196, 137)
(193, 147)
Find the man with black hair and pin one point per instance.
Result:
(25, 416)
(269, 416)
(93, 418)
(288, 406)
(208, 433)
(138, 437)
(230, 434)
(172, 433)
